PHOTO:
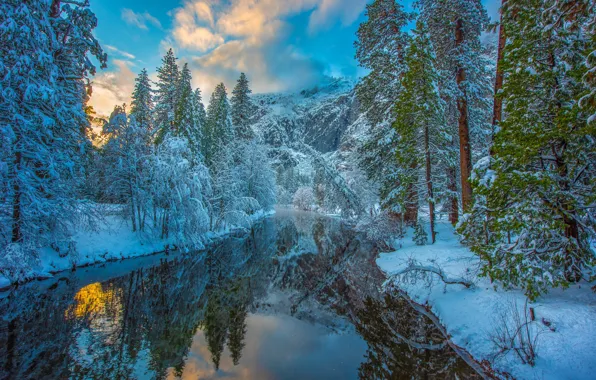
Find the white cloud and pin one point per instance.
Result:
(112, 88)
(119, 52)
(328, 12)
(193, 27)
(139, 20)
(250, 36)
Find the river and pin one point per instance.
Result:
(298, 297)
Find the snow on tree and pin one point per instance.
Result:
(539, 186)
(200, 114)
(380, 47)
(304, 198)
(181, 192)
(141, 106)
(186, 117)
(256, 175)
(420, 126)
(166, 95)
(218, 131)
(336, 186)
(44, 72)
(455, 28)
(229, 204)
(420, 236)
(242, 109)
(127, 158)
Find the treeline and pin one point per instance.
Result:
(507, 151)
(178, 168)
(174, 168)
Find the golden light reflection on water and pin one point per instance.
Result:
(90, 299)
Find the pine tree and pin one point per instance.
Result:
(380, 47)
(186, 120)
(419, 125)
(199, 109)
(455, 28)
(126, 158)
(44, 71)
(166, 95)
(539, 186)
(242, 109)
(218, 130)
(420, 236)
(141, 106)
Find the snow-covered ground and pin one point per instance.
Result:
(470, 315)
(114, 240)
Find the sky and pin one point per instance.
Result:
(281, 45)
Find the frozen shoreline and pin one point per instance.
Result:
(469, 315)
(113, 241)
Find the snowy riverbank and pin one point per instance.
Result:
(113, 240)
(565, 348)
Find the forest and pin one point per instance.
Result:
(479, 132)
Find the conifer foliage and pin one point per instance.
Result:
(380, 47)
(539, 186)
(44, 73)
(420, 126)
(242, 108)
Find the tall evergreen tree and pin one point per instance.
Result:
(44, 71)
(141, 106)
(455, 28)
(200, 114)
(540, 185)
(166, 94)
(186, 122)
(218, 130)
(420, 125)
(242, 109)
(380, 47)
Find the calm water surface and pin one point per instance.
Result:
(298, 298)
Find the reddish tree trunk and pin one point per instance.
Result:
(452, 187)
(429, 184)
(465, 154)
(411, 214)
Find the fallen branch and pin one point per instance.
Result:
(416, 268)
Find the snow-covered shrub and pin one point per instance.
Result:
(382, 229)
(255, 175)
(420, 236)
(304, 198)
(284, 197)
(180, 193)
(17, 261)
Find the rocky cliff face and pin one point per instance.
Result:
(314, 135)
(319, 116)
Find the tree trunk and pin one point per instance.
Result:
(465, 154)
(132, 209)
(411, 214)
(429, 184)
(452, 187)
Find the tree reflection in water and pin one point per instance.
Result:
(155, 321)
(403, 344)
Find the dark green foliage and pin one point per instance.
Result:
(242, 109)
(537, 217)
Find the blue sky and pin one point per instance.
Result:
(280, 44)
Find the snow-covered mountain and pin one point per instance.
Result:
(319, 116)
(315, 131)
